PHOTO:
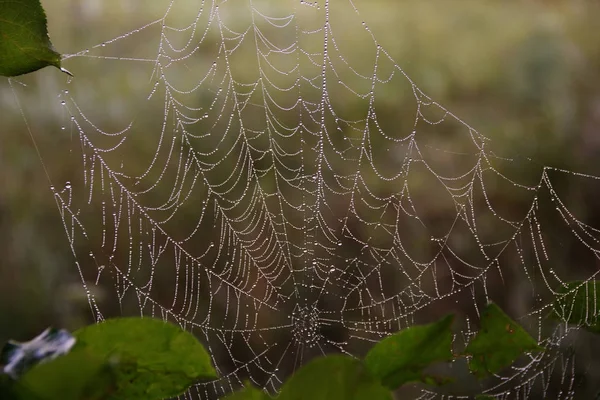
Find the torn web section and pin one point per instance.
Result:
(261, 190)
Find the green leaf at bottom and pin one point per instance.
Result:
(334, 377)
(74, 376)
(249, 392)
(152, 359)
(499, 342)
(401, 358)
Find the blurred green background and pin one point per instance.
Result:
(526, 74)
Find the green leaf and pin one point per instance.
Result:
(334, 377)
(73, 376)
(249, 392)
(153, 359)
(24, 43)
(401, 358)
(9, 389)
(499, 342)
(579, 303)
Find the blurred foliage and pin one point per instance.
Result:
(499, 342)
(404, 357)
(154, 359)
(401, 357)
(578, 303)
(523, 73)
(121, 358)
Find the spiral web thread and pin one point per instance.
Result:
(278, 210)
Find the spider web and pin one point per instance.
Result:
(277, 207)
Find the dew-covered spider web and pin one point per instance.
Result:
(258, 189)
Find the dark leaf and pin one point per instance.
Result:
(401, 358)
(249, 392)
(499, 342)
(335, 377)
(579, 303)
